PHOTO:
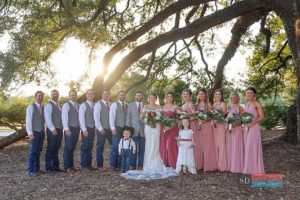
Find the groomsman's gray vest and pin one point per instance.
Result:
(120, 119)
(73, 115)
(38, 120)
(104, 116)
(56, 116)
(88, 115)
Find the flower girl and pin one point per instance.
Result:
(185, 160)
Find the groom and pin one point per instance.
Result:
(133, 120)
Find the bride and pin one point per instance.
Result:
(153, 167)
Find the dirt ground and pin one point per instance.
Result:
(279, 157)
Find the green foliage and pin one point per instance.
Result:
(272, 73)
(13, 110)
(274, 116)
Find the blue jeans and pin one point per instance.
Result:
(140, 146)
(54, 143)
(101, 138)
(87, 147)
(125, 159)
(114, 156)
(70, 145)
(35, 148)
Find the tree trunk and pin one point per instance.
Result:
(291, 125)
(4, 142)
(297, 35)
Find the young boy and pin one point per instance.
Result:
(126, 148)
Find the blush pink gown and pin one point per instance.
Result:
(220, 144)
(253, 147)
(197, 139)
(206, 142)
(235, 145)
(168, 144)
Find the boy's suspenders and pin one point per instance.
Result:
(128, 145)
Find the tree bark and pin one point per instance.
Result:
(4, 142)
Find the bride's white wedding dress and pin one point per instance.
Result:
(154, 167)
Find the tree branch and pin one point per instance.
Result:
(196, 27)
(239, 29)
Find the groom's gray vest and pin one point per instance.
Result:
(88, 116)
(56, 116)
(133, 120)
(37, 119)
(104, 115)
(121, 112)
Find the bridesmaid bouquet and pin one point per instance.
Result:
(246, 118)
(204, 115)
(233, 119)
(218, 116)
(151, 118)
(167, 121)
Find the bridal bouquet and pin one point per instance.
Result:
(151, 118)
(217, 116)
(204, 115)
(233, 119)
(246, 118)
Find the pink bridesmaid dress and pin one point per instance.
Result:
(235, 145)
(220, 144)
(254, 163)
(168, 144)
(207, 145)
(198, 152)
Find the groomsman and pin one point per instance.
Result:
(87, 125)
(70, 120)
(54, 132)
(35, 125)
(101, 117)
(133, 120)
(117, 120)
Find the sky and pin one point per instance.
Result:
(71, 61)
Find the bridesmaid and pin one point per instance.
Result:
(235, 139)
(219, 132)
(205, 140)
(168, 143)
(252, 137)
(190, 108)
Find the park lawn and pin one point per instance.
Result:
(279, 157)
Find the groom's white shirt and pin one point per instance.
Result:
(137, 105)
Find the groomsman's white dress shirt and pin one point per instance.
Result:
(97, 111)
(112, 114)
(48, 115)
(82, 110)
(29, 113)
(65, 114)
